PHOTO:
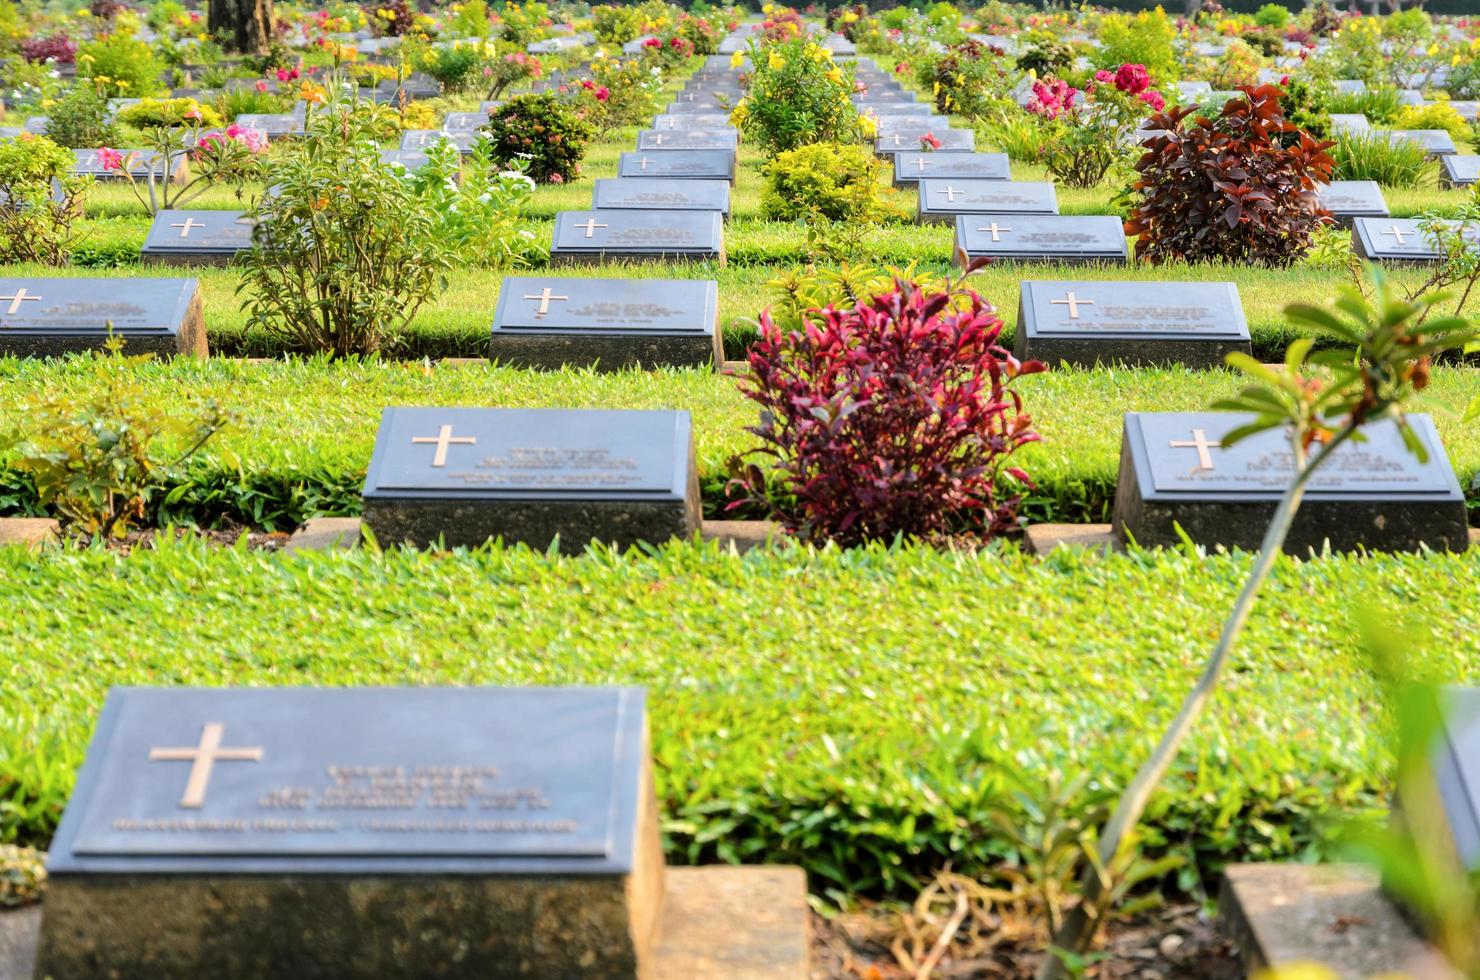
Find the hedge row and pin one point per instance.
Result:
(861, 713)
(307, 428)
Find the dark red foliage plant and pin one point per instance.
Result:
(1239, 185)
(56, 47)
(893, 417)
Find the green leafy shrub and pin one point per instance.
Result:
(1307, 100)
(22, 876)
(98, 462)
(80, 119)
(1238, 187)
(346, 250)
(120, 65)
(797, 95)
(150, 113)
(613, 24)
(1238, 65)
(479, 212)
(839, 182)
(620, 92)
(40, 200)
(1436, 115)
(1272, 15)
(1144, 38)
(1045, 55)
(456, 67)
(545, 131)
(968, 79)
(1372, 156)
(249, 101)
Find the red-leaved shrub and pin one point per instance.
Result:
(895, 416)
(1239, 186)
(56, 47)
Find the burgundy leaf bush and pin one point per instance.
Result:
(1237, 186)
(893, 417)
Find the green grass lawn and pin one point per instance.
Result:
(860, 713)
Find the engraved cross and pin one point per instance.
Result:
(1397, 233)
(442, 440)
(17, 298)
(1199, 441)
(186, 225)
(545, 299)
(996, 231)
(1069, 300)
(590, 225)
(203, 758)
(950, 193)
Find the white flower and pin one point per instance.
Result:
(485, 197)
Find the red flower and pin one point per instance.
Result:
(1132, 79)
(929, 142)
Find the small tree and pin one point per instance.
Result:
(1321, 399)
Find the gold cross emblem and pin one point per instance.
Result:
(186, 225)
(545, 299)
(442, 440)
(17, 298)
(996, 229)
(590, 225)
(203, 758)
(1397, 233)
(1199, 441)
(1069, 300)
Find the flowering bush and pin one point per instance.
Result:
(781, 24)
(703, 35)
(1227, 188)
(213, 158)
(841, 183)
(1436, 115)
(80, 119)
(455, 67)
(148, 113)
(797, 95)
(969, 79)
(391, 18)
(668, 54)
(893, 417)
(1238, 65)
(40, 198)
(542, 129)
(620, 92)
(1085, 134)
(56, 48)
(1144, 38)
(513, 67)
(616, 24)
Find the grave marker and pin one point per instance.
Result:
(941, 200)
(597, 237)
(50, 317)
(651, 193)
(197, 237)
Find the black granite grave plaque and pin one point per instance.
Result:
(1062, 239)
(423, 139)
(1352, 123)
(331, 827)
(1436, 142)
(653, 194)
(942, 200)
(1457, 170)
(687, 139)
(275, 126)
(51, 317)
(1455, 758)
(911, 139)
(698, 120)
(911, 168)
(598, 237)
(679, 164)
(1398, 239)
(1373, 495)
(707, 105)
(1134, 323)
(464, 122)
(612, 324)
(1348, 199)
(197, 237)
(463, 476)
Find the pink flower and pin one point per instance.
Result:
(652, 42)
(111, 159)
(557, 179)
(1154, 99)
(929, 142)
(603, 93)
(194, 113)
(1103, 75)
(1132, 79)
(261, 85)
(1052, 98)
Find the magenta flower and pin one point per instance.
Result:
(1132, 79)
(111, 159)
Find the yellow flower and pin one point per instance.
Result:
(868, 126)
(1433, 50)
(737, 59)
(835, 75)
(850, 17)
(776, 61)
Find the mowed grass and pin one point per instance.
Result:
(860, 713)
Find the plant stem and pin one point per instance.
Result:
(1082, 921)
